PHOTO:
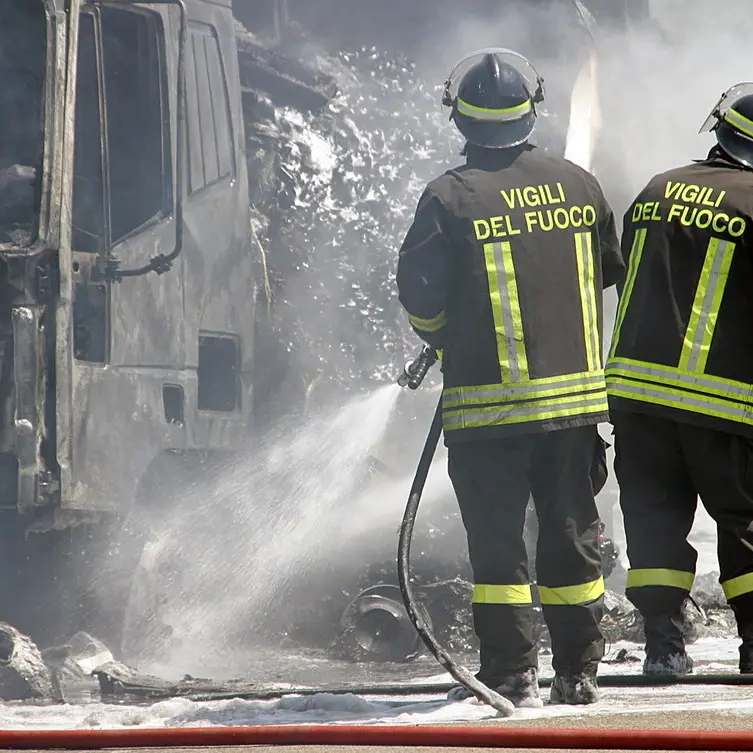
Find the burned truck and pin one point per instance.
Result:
(127, 281)
(154, 257)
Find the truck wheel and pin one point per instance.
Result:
(149, 553)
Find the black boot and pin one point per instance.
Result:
(520, 688)
(665, 646)
(579, 688)
(745, 631)
(743, 611)
(746, 658)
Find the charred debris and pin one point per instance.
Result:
(84, 667)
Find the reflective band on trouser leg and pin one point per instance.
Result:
(508, 323)
(572, 595)
(494, 115)
(660, 577)
(739, 586)
(636, 254)
(587, 284)
(492, 594)
(429, 325)
(708, 300)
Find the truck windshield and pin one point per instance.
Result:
(22, 71)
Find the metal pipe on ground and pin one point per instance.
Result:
(118, 688)
(409, 689)
(404, 736)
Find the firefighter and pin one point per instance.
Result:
(680, 382)
(502, 269)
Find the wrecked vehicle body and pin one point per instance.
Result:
(170, 256)
(128, 298)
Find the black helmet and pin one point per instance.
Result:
(735, 131)
(493, 102)
(732, 122)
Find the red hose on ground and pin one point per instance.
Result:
(462, 737)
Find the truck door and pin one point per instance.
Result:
(126, 336)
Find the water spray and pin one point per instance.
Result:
(412, 376)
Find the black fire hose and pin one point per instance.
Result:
(462, 675)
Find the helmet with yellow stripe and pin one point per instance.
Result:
(493, 94)
(732, 122)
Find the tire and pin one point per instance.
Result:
(173, 501)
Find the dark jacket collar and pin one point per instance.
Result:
(717, 156)
(493, 159)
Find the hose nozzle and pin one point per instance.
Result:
(415, 371)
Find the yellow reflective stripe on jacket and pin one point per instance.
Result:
(738, 121)
(680, 399)
(587, 284)
(429, 325)
(554, 381)
(739, 586)
(636, 254)
(659, 576)
(519, 412)
(491, 594)
(572, 595)
(496, 115)
(685, 386)
(508, 323)
(535, 389)
(674, 377)
(708, 300)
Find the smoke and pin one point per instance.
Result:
(657, 84)
(550, 35)
(661, 82)
(355, 171)
(355, 174)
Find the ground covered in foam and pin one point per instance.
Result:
(428, 708)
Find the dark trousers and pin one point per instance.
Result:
(662, 467)
(493, 480)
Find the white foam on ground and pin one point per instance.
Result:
(327, 708)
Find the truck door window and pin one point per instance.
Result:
(23, 51)
(136, 119)
(88, 190)
(209, 130)
(136, 114)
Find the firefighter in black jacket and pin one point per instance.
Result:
(680, 379)
(503, 270)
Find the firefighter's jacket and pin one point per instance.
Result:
(503, 270)
(683, 340)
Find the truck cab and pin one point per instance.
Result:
(128, 293)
